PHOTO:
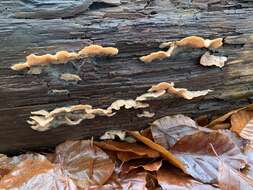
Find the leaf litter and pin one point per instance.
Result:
(173, 153)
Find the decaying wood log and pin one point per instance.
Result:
(136, 28)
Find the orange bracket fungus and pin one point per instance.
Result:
(62, 57)
(196, 42)
(182, 92)
(43, 120)
(158, 55)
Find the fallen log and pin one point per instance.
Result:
(136, 29)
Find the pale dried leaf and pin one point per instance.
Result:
(84, 163)
(168, 130)
(171, 179)
(211, 60)
(191, 145)
(36, 174)
(230, 179)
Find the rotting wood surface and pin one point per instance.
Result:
(136, 28)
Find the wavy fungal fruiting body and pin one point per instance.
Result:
(64, 56)
(182, 92)
(43, 120)
(159, 55)
(199, 42)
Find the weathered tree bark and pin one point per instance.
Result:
(136, 28)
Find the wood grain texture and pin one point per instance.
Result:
(136, 28)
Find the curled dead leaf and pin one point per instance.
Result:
(84, 163)
(242, 124)
(211, 60)
(128, 147)
(225, 117)
(145, 164)
(192, 146)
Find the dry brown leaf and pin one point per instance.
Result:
(202, 120)
(84, 163)
(171, 179)
(146, 114)
(36, 174)
(126, 156)
(242, 124)
(166, 131)
(195, 152)
(135, 148)
(230, 179)
(141, 163)
(70, 77)
(211, 60)
(9, 163)
(165, 153)
(192, 146)
(135, 180)
(64, 56)
(222, 126)
(223, 118)
(182, 92)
